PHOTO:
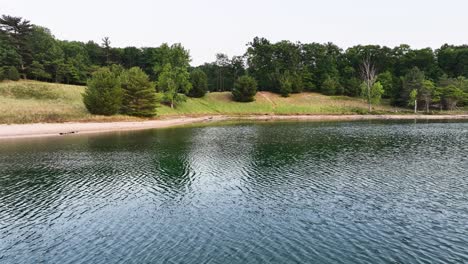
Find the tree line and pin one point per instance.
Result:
(421, 78)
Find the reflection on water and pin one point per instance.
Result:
(245, 193)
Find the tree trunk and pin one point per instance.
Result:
(172, 103)
(369, 97)
(415, 106)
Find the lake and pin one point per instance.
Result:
(284, 192)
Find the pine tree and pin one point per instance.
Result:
(199, 82)
(139, 95)
(245, 89)
(103, 95)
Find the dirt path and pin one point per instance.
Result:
(267, 97)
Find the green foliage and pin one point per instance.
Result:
(103, 95)
(426, 93)
(413, 80)
(330, 86)
(374, 95)
(245, 89)
(172, 81)
(10, 73)
(37, 71)
(451, 95)
(413, 96)
(285, 84)
(139, 95)
(386, 79)
(199, 82)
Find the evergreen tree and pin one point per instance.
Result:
(18, 31)
(139, 95)
(330, 86)
(10, 73)
(199, 82)
(103, 95)
(285, 84)
(245, 89)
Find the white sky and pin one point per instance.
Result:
(207, 27)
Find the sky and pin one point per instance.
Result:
(207, 27)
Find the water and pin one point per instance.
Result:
(243, 193)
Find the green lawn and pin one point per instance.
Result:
(31, 101)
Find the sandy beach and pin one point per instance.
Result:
(74, 128)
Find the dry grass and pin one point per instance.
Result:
(38, 102)
(35, 102)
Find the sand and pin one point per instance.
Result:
(75, 128)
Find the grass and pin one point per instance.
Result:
(37, 102)
(269, 103)
(34, 102)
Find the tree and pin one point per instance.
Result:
(199, 82)
(374, 94)
(330, 86)
(413, 80)
(386, 79)
(18, 31)
(426, 92)
(369, 76)
(285, 84)
(413, 100)
(451, 95)
(10, 73)
(103, 95)
(172, 81)
(37, 71)
(107, 48)
(245, 89)
(139, 95)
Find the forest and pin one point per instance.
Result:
(421, 78)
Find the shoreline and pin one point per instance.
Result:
(35, 130)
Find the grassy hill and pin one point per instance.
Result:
(31, 101)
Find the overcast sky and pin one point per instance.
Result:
(207, 27)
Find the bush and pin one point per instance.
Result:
(330, 86)
(10, 73)
(245, 88)
(103, 95)
(285, 84)
(139, 95)
(199, 82)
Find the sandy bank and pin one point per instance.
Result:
(67, 129)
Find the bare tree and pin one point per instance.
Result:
(369, 76)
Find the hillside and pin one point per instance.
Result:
(31, 101)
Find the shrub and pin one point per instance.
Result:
(245, 88)
(285, 84)
(139, 95)
(199, 82)
(103, 95)
(330, 86)
(10, 73)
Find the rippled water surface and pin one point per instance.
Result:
(243, 193)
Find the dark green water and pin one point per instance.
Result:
(245, 193)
